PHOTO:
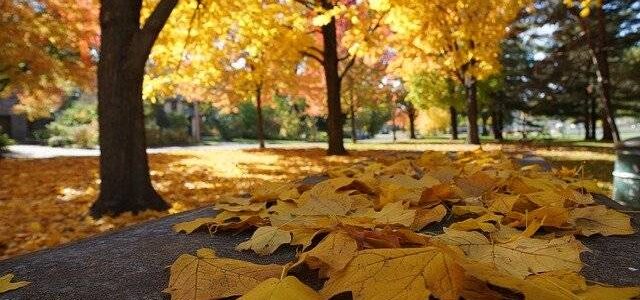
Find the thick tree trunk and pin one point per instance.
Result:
(496, 125)
(332, 78)
(472, 110)
(411, 113)
(125, 184)
(260, 125)
(454, 122)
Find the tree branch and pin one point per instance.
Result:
(144, 38)
(347, 67)
(316, 57)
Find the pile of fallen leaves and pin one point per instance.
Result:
(471, 225)
(47, 201)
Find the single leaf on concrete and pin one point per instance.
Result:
(265, 240)
(207, 276)
(404, 273)
(599, 219)
(332, 254)
(521, 257)
(191, 226)
(426, 216)
(281, 289)
(7, 285)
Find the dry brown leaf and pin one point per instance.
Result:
(403, 273)
(207, 276)
(393, 214)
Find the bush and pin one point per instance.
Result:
(75, 126)
(5, 141)
(157, 136)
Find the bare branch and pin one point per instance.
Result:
(316, 57)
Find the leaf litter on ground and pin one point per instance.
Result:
(509, 229)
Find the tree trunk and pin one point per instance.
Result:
(594, 117)
(195, 123)
(454, 122)
(607, 133)
(484, 117)
(600, 56)
(587, 120)
(260, 128)
(332, 79)
(472, 110)
(496, 125)
(411, 112)
(125, 184)
(393, 117)
(352, 111)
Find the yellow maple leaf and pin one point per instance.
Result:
(265, 240)
(7, 285)
(401, 273)
(485, 223)
(281, 289)
(332, 254)
(426, 216)
(207, 276)
(599, 219)
(393, 214)
(520, 257)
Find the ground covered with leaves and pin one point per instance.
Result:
(46, 201)
(475, 225)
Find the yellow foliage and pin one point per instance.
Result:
(433, 120)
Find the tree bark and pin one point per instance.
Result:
(454, 122)
(607, 133)
(411, 112)
(587, 119)
(125, 184)
(496, 125)
(472, 110)
(393, 117)
(594, 117)
(260, 125)
(332, 78)
(195, 123)
(484, 117)
(352, 111)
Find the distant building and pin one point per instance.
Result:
(16, 125)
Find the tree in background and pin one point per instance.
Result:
(361, 90)
(429, 89)
(460, 39)
(46, 50)
(126, 42)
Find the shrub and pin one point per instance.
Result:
(5, 141)
(75, 126)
